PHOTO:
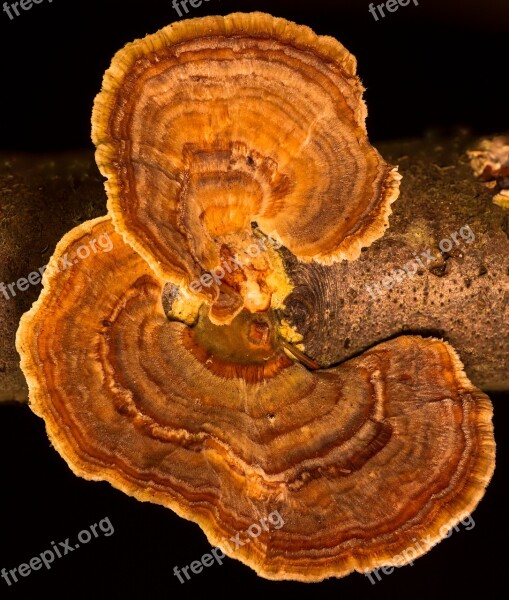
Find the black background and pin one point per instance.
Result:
(439, 66)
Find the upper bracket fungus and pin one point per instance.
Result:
(212, 124)
(216, 134)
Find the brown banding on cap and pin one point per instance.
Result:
(216, 123)
(218, 424)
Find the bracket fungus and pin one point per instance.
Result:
(201, 401)
(213, 124)
(490, 162)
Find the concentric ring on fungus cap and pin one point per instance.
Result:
(212, 124)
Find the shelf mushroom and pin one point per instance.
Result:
(196, 401)
(214, 124)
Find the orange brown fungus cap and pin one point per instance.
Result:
(201, 406)
(213, 124)
(358, 460)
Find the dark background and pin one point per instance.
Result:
(439, 66)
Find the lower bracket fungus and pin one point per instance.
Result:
(205, 402)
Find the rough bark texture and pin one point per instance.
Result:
(462, 297)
